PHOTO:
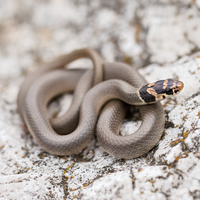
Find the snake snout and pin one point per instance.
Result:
(178, 87)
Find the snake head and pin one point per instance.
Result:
(160, 90)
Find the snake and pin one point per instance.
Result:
(100, 101)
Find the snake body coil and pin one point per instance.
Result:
(70, 133)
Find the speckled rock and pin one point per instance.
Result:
(160, 38)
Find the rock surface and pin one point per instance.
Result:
(161, 38)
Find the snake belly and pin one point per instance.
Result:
(53, 83)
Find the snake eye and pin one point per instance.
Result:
(169, 91)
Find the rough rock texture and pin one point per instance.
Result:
(158, 36)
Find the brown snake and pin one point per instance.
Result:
(70, 133)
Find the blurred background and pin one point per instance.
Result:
(135, 32)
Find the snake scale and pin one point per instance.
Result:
(105, 89)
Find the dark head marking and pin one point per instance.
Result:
(146, 96)
(160, 90)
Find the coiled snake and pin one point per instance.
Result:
(70, 133)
